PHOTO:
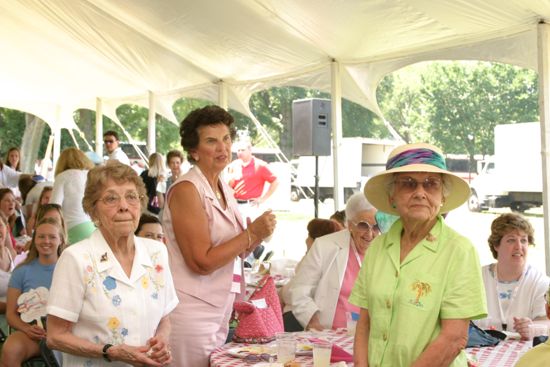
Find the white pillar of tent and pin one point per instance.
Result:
(544, 108)
(151, 127)
(99, 127)
(222, 94)
(336, 120)
(56, 138)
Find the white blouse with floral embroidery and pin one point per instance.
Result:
(91, 290)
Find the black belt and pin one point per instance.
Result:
(239, 201)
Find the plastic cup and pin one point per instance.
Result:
(286, 347)
(351, 322)
(321, 354)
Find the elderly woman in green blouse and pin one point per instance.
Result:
(420, 282)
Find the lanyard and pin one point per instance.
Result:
(357, 257)
(503, 318)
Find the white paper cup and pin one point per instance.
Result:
(351, 324)
(321, 354)
(286, 347)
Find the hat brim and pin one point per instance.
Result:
(377, 194)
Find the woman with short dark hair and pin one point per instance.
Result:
(206, 238)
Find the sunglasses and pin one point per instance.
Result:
(409, 184)
(365, 226)
(108, 141)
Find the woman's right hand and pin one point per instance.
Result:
(135, 356)
(262, 227)
(34, 332)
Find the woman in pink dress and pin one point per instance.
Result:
(206, 239)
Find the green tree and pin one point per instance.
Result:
(402, 103)
(466, 100)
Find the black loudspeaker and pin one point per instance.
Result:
(311, 127)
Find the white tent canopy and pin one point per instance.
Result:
(60, 55)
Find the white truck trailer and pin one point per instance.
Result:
(513, 178)
(360, 159)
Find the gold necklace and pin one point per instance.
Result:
(218, 194)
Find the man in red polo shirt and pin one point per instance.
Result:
(248, 176)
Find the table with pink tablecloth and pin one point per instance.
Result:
(505, 354)
(220, 357)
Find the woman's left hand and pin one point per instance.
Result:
(159, 350)
(521, 325)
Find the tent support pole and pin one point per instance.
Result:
(336, 119)
(56, 138)
(151, 126)
(222, 94)
(543, 32)
(99, 127)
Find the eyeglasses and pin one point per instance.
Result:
(365, 226)
(409, 184)
(108, 141)
(154, 236)
(112, 200)
(252, 358)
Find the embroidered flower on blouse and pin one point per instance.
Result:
(110, 283)
(113, 323)
(145, 282)
(117, 333)
(158, 268)
(116, 300)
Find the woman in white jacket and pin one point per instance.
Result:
(321, 287)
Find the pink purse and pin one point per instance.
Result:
(259, 325)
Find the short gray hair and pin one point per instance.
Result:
(357, 203)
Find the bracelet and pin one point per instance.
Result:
(249, 239)
(105, 355)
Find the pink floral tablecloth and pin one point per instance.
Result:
(505, 354)
(220, 357)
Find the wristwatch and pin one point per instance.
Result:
(105, 355)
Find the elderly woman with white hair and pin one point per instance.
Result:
(320, 290)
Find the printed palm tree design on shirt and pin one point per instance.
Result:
(421, 289)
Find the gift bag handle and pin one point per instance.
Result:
(260, 285)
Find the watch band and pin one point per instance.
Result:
(105, 355)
